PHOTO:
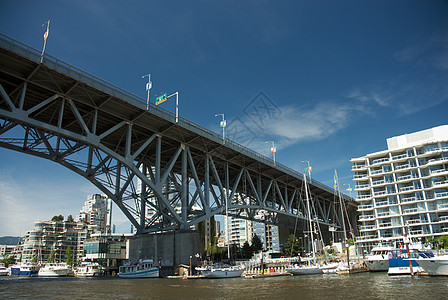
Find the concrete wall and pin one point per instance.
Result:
(170, 248)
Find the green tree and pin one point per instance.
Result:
(257, 245)
(8, 260)
(52, 256)
(292, 246)
(70, 219)
(247, 250)
(59, 218)
(68, 256)
(443, 241)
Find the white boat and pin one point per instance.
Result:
(88, 269)
(24, 269)
(330, 268)
(378, 260)
(141, 269)
(434, 266)
(304, 269)
(3, 270)
(221, 271)
(53, 270)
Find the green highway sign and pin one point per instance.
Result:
(160, 99)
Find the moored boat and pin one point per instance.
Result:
(3, 270)
(434, 266)
(141, 269)
(304, 269)
(399, 261)
(378, 260)
(88, 269)
(221, 271)
(25, 269)
(53, 270)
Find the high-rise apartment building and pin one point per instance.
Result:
(96, 213)
(404, 189)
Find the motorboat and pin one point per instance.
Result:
(3, 270)
(88, 269)
(54, 270)
(141, 269)
(399, 261)
(25, 269)
(434, 266)
(304, 269)
(378, 260)
(221, 271)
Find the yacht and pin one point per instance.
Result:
(88, 269)
(434, 266)
(399, 261)
(304, 269)
(54, 270)
(142, 269)
(25, 269)
(221, 271)
(378, 260)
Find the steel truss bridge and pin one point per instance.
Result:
(163, 173)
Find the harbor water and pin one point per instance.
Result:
(355, 286)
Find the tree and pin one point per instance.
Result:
(59, 218)
(257, 245)
(8, 260)
(68, 256)
(247, 250)
(52, 256)
(292, 246)
(70, 219)
(443, 241)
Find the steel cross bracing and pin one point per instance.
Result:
(162, 174)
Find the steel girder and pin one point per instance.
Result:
(162, 174)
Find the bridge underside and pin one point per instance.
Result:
(163, 174)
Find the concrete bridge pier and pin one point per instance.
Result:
(169, 248)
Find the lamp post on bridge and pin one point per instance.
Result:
(273, 149)
(148, 87)
(223, 125)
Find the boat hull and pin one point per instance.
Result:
(400, 266)
(305, 270)
(378, 265)
(435, 266)
(222, 273)
(24, 271)
(149, 273)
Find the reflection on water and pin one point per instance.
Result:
(357, 286)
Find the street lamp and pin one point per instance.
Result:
(148, 87)
(223, 125)
(308, 169)
(273, 149)
(349, 190)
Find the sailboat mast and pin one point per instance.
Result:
(342, 216)
(309, 218)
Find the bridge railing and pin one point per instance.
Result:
(111, 89)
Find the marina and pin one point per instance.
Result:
(364, 285)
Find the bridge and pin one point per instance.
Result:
(164, 173)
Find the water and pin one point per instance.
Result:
(357, 286)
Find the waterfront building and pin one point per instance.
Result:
(267, 233)
(96, 213)
(109, 251)
(49, 236)
(403, 189)
(239, 231)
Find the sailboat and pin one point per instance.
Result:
(311, 267)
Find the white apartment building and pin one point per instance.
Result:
(403, 189)
(96, 213)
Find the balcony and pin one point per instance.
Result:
(382, 225)
(368, 227)
(409, 199)
(401, 167)
(365, 207)
(366, 217)
(358, 167)
(410, 210)
(442, 206)
(384, 203)
(362, 186)
(438, 171)
(378, 182)
(398, 157)
(413, 221)
(441, 195)
(406, 177)
(380, 193)
(407, 188)
(363, 197)
(360, 176)
(380, 160)
(437, 160)
(376, 172)
(437, 183)
(383, 214)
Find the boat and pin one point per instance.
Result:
(141, 269)
(54, 270)
(25, 269)
(88, 269)
(330, 268)
(434, 266)
(378, 260)
(3, 270)
(399, 261)
(221, 271)
(304, 269)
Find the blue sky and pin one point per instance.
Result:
(338, 78)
